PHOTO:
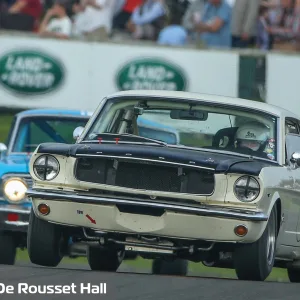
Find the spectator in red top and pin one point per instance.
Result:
(31, 8)
(123, 17)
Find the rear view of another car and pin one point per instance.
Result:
(28, 130)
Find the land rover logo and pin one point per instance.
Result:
(151, 74)
(30, 72)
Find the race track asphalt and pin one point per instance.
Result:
(127, 285)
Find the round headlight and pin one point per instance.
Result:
(246, 189)
(46, 167)
(14, 190)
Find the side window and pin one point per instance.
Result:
(292, 145)
(292, 138)
(291, 126)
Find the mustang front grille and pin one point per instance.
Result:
(145, 176)
(148, 177)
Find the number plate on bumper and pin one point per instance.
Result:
(135, 245)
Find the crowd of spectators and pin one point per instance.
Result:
(264, 24)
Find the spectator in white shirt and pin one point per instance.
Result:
(94, 19)
(56, 22)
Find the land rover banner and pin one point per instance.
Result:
(30, 72)
(151, 74)
(37, 72)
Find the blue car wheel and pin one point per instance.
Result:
(8, 249)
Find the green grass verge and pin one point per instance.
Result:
(5, 123)
(196, 269)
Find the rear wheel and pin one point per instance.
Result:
(104, 259)
(255, 261)
(45, 242)
(176, 267)
(8, 249)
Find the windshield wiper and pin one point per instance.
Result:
(129, 136)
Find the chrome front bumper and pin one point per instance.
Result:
(22, 221)
(149, 218)
(227, 213)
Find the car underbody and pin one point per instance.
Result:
(151, 247)
(169, 249)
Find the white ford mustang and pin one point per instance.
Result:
(173, 177)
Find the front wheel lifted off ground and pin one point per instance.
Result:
(255, 261)
(45, 242)
(8, 249)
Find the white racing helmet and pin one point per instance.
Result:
(253, 135)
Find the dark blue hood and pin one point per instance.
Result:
(219, 162)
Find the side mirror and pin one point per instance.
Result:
(2, 147)
(295, 159)
(77, 132)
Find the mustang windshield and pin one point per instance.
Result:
(33, 131)
(190, 124)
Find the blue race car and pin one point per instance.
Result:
(155, 130)
(29, 129)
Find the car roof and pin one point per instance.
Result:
(62, 112)
(217, 99)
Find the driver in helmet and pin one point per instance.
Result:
(252, 137)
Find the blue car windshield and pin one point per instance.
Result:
(33, 131)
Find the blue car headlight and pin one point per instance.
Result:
(14, 190)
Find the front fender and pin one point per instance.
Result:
(275, 197)
(279, 186)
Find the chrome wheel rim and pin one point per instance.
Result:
(271, 239)
(208, 264)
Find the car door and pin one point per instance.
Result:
(293, 145)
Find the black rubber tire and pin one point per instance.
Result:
(8, 249)
(45, 242)
(294, 275)
(104, 259)
(130, 255)
(250, 260)
(177, 267)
